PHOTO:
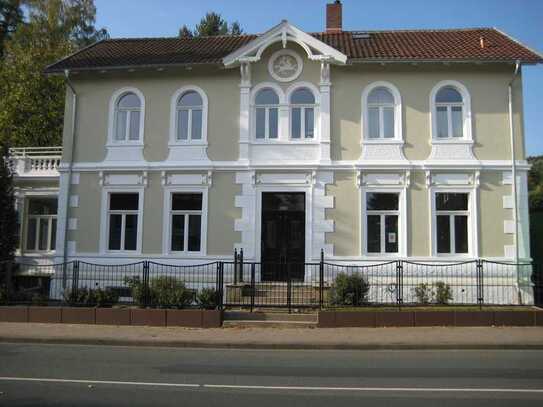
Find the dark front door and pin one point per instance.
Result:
(283, 236)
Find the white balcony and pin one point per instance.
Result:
(36, 162)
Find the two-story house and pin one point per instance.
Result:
(369, 145)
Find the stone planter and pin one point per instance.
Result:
(211, 318)
(474, 318)
(148, 316)
(395, 318)
(184, 317)
(46, 315)
(75, 315)
(113, 316)
(14, 314)
(434, 318)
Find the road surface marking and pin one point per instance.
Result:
(304, 388)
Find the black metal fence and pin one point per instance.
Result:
(248, 284)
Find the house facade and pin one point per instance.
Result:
(370, 146)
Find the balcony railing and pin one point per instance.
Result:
(36, 161)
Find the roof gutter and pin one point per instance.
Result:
(66, 198)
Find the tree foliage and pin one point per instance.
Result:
(8, 217)
(32, 109)
(535, 183)
(210, 25)
(11, 15)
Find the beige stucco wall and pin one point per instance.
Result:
(487, 85)
(222, 213)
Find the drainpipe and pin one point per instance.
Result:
(514, 172)
(70, 164)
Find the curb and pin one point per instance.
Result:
(270, 345)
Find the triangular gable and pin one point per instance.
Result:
(284, 32)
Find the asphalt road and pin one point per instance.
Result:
(74, 375)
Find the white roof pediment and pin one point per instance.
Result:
(285, 32)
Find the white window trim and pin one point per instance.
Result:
(473, 230)
(167, 224)
(38, 218)
(466, 114)
(174, 122)
(104, 220)
(281, 113)
(316, 113)
(111, 142)
(398, 126)
(402, 220)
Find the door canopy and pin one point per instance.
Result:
(316, 50)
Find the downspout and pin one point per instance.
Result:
(70, 164)
(514, 173)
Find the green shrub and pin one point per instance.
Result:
(168, 292)
(349, 290)
(40, 299)
(424, 293)
(163, 292)
(207, 298)
(436, 293)
(91, 297)
(3, 295)
(443, 293)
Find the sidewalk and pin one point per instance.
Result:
(269, 338)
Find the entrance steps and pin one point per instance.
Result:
(265, 319)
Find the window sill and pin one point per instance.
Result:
(180, 255)
(288, 142)
(452, 141)
(187, 143)
(132, 144)
(382, 141)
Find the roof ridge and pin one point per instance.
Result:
(423, 30)
(177, 38)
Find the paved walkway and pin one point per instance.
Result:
(289, 338)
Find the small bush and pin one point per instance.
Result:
(168, 292)
(207, 298)
(443, 293)
(89, 297)
(137, 289)
(3, 295)
(39, 299)
(424, 293)
(350, 290)
(436, 293)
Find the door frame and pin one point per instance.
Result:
(308, 217)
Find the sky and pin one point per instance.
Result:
(522, 19)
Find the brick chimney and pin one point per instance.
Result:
(333, 17)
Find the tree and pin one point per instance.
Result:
(11, 16)
(210, 25)
(535, 183)
(185, 32)
(8, 216)
(32, 111)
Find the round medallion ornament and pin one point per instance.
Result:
(285, 65)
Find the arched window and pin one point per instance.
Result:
(302, 114)
(449, 106)
(189, 116)
(128, 118)
(266, 114)
(380, 114)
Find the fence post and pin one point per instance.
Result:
(146, 293)
(480, 286)
(241, 265)
(64, 275)
(235, 266)
(399, 283)
(218, 284)
(9, 278)
(321, 280)
(253, 286)
(289, 288)
(75, 278)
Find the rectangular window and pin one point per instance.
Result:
(260, 123)
(186, 222)
(120, 132)
(382, 213)
(182, 124)
(134, 133)
(456, 119)
(309, 122)
(296, 122)
(388, 122)
(373, 122)
(451, 220)
(273, 120)
(123, 208)
(196, 125)
(42, 224)
(442, 122)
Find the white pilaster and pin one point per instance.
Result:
(325, 85)
(244, 111)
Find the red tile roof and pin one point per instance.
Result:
(409, 45)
